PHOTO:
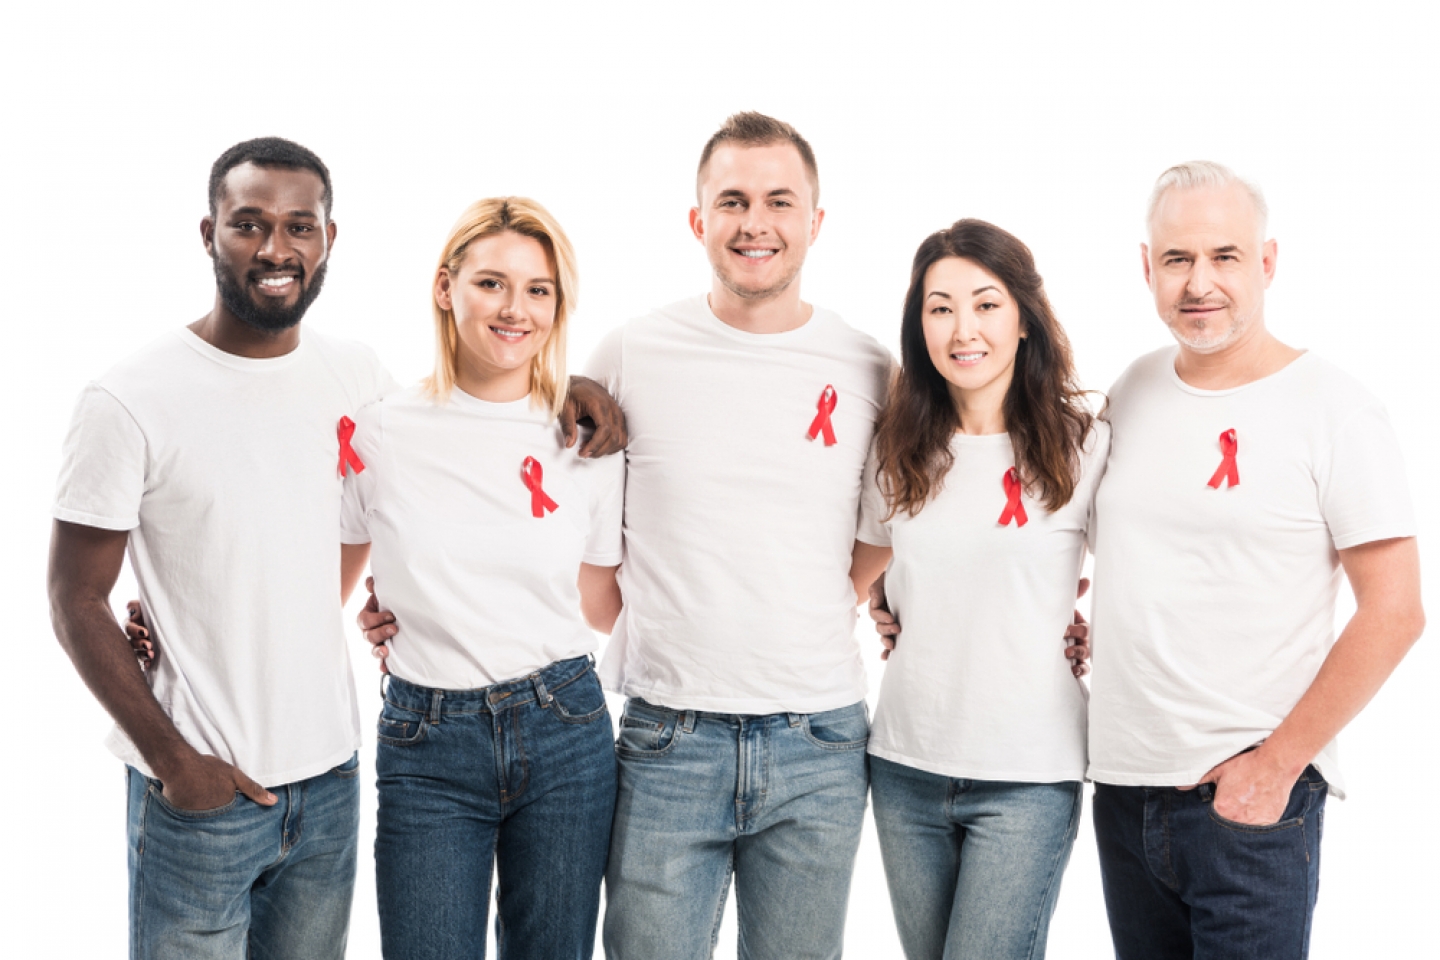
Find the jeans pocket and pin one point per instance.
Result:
(183, 814)
(350, 768)
(646, 731)
(1299, 804)
(845, 729)
(579, 700)
(399, 727)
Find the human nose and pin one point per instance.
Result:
(1201, 279)
(512, 306)
(277, 248)
(967, 325)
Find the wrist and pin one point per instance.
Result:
(1283, 758)
(169, 758)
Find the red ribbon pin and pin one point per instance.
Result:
(540, 501)
(1229, 470)
(345, 431)
(821, 423)
(1014, 508)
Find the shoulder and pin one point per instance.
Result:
(347, 356)
(1316, 379)
(1143, 373)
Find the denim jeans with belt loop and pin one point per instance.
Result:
(518, 777)
(1184, 883)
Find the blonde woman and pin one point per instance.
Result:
(486, 538)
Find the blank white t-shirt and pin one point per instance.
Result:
(738, 528)
(225, 471)
(978, 685)
(1215, 606)
(482, 590)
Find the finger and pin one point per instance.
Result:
(1084, 586)
(1079, 619)
(888, 643)
(567, 424)
(890, 629)
(1080, 669)
(1077, 631)
(884, 654)
(254, 791)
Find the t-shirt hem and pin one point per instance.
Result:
(1375, 534)
(604, 559)
(964, 771)
(265, 778)
(679, 700)
(872, 539)
(95, 520)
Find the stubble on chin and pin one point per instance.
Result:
(1206, 338)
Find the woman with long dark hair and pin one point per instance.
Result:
(981, 480)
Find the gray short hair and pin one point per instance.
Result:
(1204, 173)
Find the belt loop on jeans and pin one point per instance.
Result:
(687, 721)
(794, 719)
(435, 697)
(541, 693)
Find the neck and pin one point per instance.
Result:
(502, 386)
(775, 314)
(224, 331)
(1252, 357)
(981, 412)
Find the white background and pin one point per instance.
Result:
(1051, 121)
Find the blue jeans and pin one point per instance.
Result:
(244, 880)
(518, 777)
(1183, 882)
(777, 800)
(973, 866)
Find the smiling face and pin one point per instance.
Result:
(757, 218)
(503, 297)
(972, 330)
(1208, 266)
(269, 240)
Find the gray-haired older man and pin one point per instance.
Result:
(1244, 475)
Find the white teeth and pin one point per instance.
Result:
(967, 357)
(755, 254)
(510, 334)
(275, 281)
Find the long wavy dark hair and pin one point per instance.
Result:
(1045, 409)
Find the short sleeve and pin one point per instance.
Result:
(359, 493)
(873, 528)
(1364, 495)
(102, 465)
(605, 363)
(1094, 454)
(603, 547)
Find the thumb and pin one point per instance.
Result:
(253, 790)
(1084, 586)
(567, 422)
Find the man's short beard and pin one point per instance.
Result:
(266, 317)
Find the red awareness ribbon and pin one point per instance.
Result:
(345, 431)
(1229, 470)
(1014, 509)
(825, 407)
(540, 501)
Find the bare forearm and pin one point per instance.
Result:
(600, 598)
(84, 563)
(96, 645)
(1387, 622)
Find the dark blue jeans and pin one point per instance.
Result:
(1183, 882)
(520, 775)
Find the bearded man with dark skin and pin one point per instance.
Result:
(211, 457)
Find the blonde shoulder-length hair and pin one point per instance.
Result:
(485, 218)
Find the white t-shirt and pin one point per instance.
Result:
(482, 589)
(738, 528)
(225, 471)
(978, 685)
(1215, 606)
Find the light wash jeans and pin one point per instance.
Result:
(242, 880)
(776, 800)
(973, 866)
(518, 777)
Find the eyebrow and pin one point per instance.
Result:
(505, 276)
(979, 290)
(256, 211)
(733, 192)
